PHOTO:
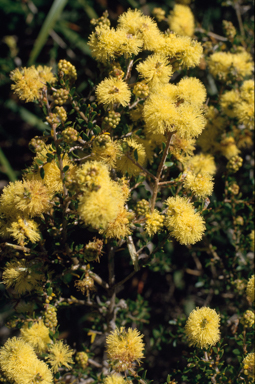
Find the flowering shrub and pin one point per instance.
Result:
(120, 176)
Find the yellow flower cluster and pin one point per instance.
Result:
(60, 355)
(37, 336)
(28, 82)
(184, 224)
(102, 198)
(181, 20)
(240, 104)
(19, 363)
(124, 348)
(22, 276)
(249, 365)
(199, 184)
(154, 222)
(202, 327)
(223, 65)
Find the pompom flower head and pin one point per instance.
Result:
(20, 364)
(186, 225)
(155, 70)
(37, 336)
(202, 327)
(181, 20)
(60, 354)
(124, 348)
(113, 91)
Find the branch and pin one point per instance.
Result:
(129, 69)
(139, 166)
(159, 171)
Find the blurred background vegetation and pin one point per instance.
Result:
(45, 31)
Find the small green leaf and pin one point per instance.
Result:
(236, 351)
(65, 169)
(136, 154)
(42, 172)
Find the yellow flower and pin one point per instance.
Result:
(29, 197)
(250, 290)
(186, 225)
(228, 102)
(202, 327)
(201, 163)
(154, 222)
(249, 365)
(120, 227)
(114, 379)
(20, 364)
(104, 43)
(155, 70)
(200, 184)
(124, 164)
(190, 121)
(160, 114)
(113, 91)
(248, 319)
(105, 149)
(24, 229)
(224, 64)
(92, 175)
(59, 355)
(37, 336)
(228, 147)
(28, 82)
(181, 20)
(182, 148)
(252, 238)
(191, 90)
(186, 51)
(124, 348)
(135, 23)
(22, 275)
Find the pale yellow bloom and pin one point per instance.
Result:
(154, 222)
(250, 290)
(202, 327)
(124, 348)
(181, 20)
(113, 91)
(249, 365)
(60, 355)
(200, 184)
(37, 335)
(155, 70)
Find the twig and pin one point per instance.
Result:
(92, 362)
(139, 166)
(159, 171)
(134, 104)
(129, 69)
(98, 280)
(218, 37)
(167, 182)
(239, 18)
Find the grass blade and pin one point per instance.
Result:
(7, 167)
(53, 15)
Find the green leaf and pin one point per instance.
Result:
(96, 129)
(65, 169)
(42, 172)
(236, 351)
(136, 154)
(7, 167)
(169, 164)
(50, 21)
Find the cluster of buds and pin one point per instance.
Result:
(229, 29)
(102, 141)
(85, 285)
(50, 317)
(59, 116)
(142, 207)
(141, 90)
(93, 250)
(82, 359)
(60, 96)
(240, 285)
(36, 144)
(234, 188)
(234, 164)
(248, 319)
(117, 71)
(67, 70)
(101, 21)
(113, 119)
(159, 14)
(70, 135)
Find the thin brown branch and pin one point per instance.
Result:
(139, 166)
(129, 69)
(159, 171)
